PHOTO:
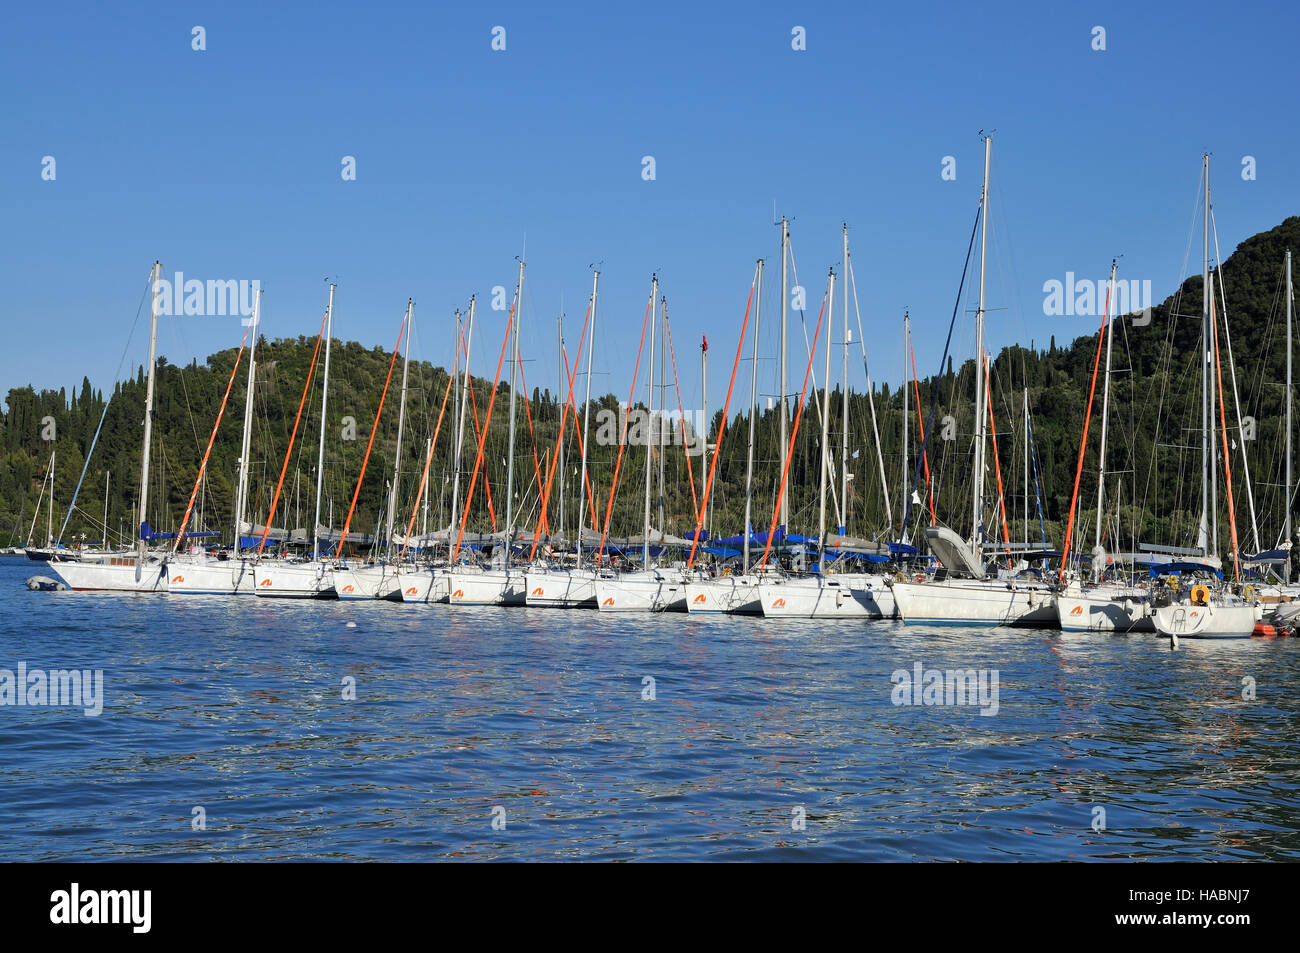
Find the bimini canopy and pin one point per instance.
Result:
(953, 552)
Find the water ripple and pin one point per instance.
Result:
(763, 741)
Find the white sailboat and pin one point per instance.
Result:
(738, 594)
(225, 574)
(561, 587)
(554, 587)
(965, 593)
(145, 571)
(1206, 615)
(1104, 605)
(650, 588)
(830, 594)
(381, 579)
(1199, 612)
(313, 578)
(498, 583)
(835, 595)
(659, 589)
(431, 583)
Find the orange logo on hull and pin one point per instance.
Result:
(178, 578)
(411, 591)
(537, 591)
(1077, 610)
(609, 601)
(347, 588)
(701, 598)
(458, 594)
(778, 604)
(265, 582)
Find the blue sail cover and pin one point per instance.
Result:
(1268, 556)
(1180, 568)
(779, 538)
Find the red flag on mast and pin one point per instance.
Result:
(705, 345)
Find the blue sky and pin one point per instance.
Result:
(226, 163)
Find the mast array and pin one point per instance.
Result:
(401, 421)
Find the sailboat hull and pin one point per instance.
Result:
(211, 577)
(975, 602)
(1089, 611)
(561, 589)
(736, 595)
(367, 582)
(652, 591)
(288, 581)
(118, 574)
(489, 587)
(429, 585)
(1207, 622)
(864, 597)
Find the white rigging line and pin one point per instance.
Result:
(1232, 371)
(817, 402)
(871, 400)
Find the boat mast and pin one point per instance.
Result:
(753, 410)
(844, 383)
(401, 420)
(324, 398)
(650, 416)
(1025, 404)
(586, 421)
(977, 503)
(704, 451)
(658, 430)
(1204, 542)
(241, 491)
(424, 519)
(907, 401)
(1287, 498)
(1105, 407)
(510, 453)
(49, 520)
(558, 462)
(108, 477)
(826, 427)
(453, 438)
(148, 420)
(785, 410)
(460, 426)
